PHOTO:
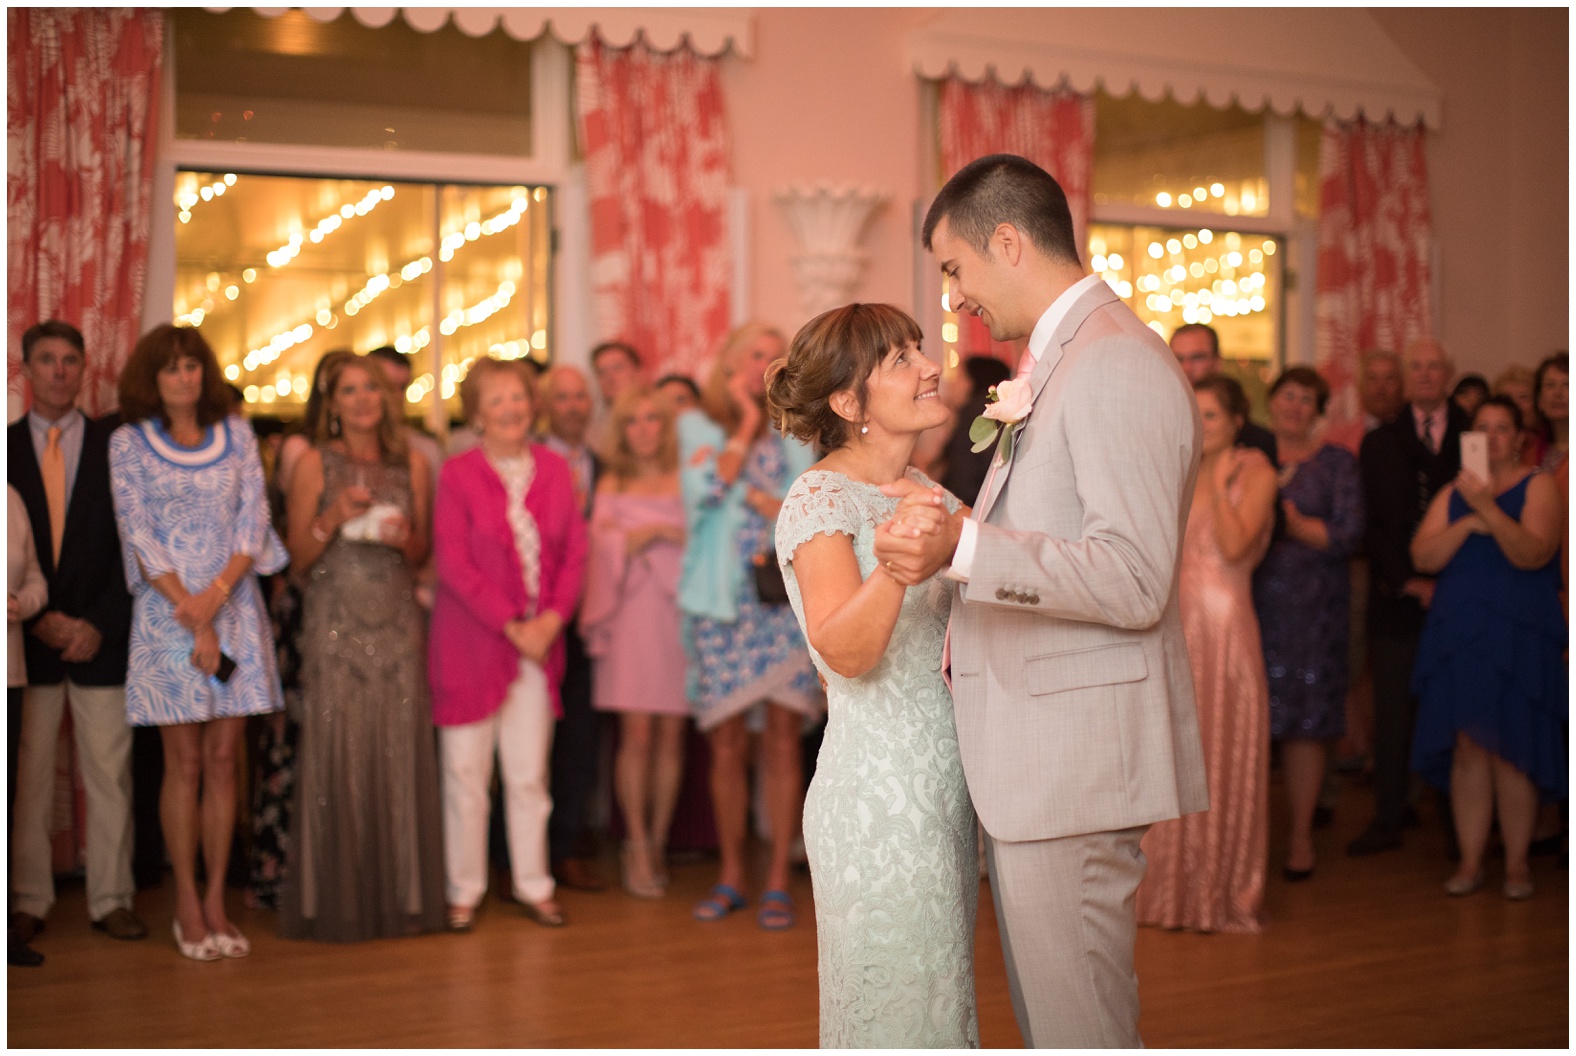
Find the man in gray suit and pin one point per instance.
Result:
(1070, 676)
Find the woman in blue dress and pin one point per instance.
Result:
(749, 669)
(1490, 675)
(194, 527)
(1302, 592)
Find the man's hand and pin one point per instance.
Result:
(920, 538)
(55, 629)
(84, 644)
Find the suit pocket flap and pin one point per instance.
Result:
(1104, 665)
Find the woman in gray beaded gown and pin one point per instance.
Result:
(364, 857)
(888, 825)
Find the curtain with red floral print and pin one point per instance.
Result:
(655, 137)
(83, 85)
(1375, 250)
(1053, 129)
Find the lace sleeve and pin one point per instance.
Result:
(818, 503)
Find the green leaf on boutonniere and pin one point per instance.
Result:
(1007, 435)
(983, 432)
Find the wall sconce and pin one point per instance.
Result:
(828, 224)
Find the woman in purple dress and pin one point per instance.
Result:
(630, 622)
(1302, 591)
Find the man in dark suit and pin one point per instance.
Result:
(564, 399)
(1197, 348)
(1404, 463)
(58, 459)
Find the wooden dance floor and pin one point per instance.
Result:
(1368, 953)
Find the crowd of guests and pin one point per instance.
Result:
(371, 620)
(1459, 620)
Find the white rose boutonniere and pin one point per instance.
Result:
(1006, 406)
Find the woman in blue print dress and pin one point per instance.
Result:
(1490, 676)
(749, 668)
(1302, 593)
(194, 526)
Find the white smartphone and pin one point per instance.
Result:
(1474, 454)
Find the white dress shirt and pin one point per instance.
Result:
(1039, 341)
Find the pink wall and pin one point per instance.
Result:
(829, 96)
(1500, 177)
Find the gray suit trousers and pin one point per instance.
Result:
(1065, 911)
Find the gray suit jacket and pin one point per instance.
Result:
(1073, 692)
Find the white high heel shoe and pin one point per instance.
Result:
(236, 945)
(205, 949)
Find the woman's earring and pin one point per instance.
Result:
(333, 424)
(864, 428)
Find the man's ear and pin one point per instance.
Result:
(1008, 242)
(845, 405)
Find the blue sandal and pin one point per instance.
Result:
(718, 903)
(776, 913)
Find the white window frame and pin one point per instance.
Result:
(550, 163)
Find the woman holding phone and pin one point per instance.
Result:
(188, 489)
(1490, 675)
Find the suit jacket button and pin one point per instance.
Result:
(1034, 599)
(1001, 594)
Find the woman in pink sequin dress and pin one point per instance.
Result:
(1206, 871)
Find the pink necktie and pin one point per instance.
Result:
(1026, 365)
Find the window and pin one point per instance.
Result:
(277, 270)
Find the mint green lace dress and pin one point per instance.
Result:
(888, 825)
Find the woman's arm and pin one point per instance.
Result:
(1437, 540)
(32, 594)
(1532, 541)
(308, 532)
(847, 619)
(1237, 527)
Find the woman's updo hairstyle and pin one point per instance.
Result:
(836, 351)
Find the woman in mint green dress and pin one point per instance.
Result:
(888, 824)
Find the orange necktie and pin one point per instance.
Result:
(53, 469)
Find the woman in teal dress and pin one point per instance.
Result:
(888, 823)
(749, 671)
(1490, 674)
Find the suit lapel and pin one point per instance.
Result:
(1082, 308)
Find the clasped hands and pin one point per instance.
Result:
(77, 639)
(532, 638)
(920, 537)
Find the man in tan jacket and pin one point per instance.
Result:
(1073, 694)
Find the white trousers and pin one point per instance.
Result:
(103, 739)
(521, 733)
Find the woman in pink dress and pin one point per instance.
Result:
(630, 623)
(1206, 871)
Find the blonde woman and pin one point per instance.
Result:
(749, 663)
(629, 620)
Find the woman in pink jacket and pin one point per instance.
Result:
(510, 550)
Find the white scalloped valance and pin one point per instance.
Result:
(1336, 61)
(711, 30)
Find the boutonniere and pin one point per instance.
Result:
(1006, 406)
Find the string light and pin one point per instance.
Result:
(190, 194)
(291, 249)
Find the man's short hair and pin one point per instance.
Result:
(1374, 355)
(1200, 328)
(390, 354)
(1005, 189)
(51, 328)
(616, 346)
